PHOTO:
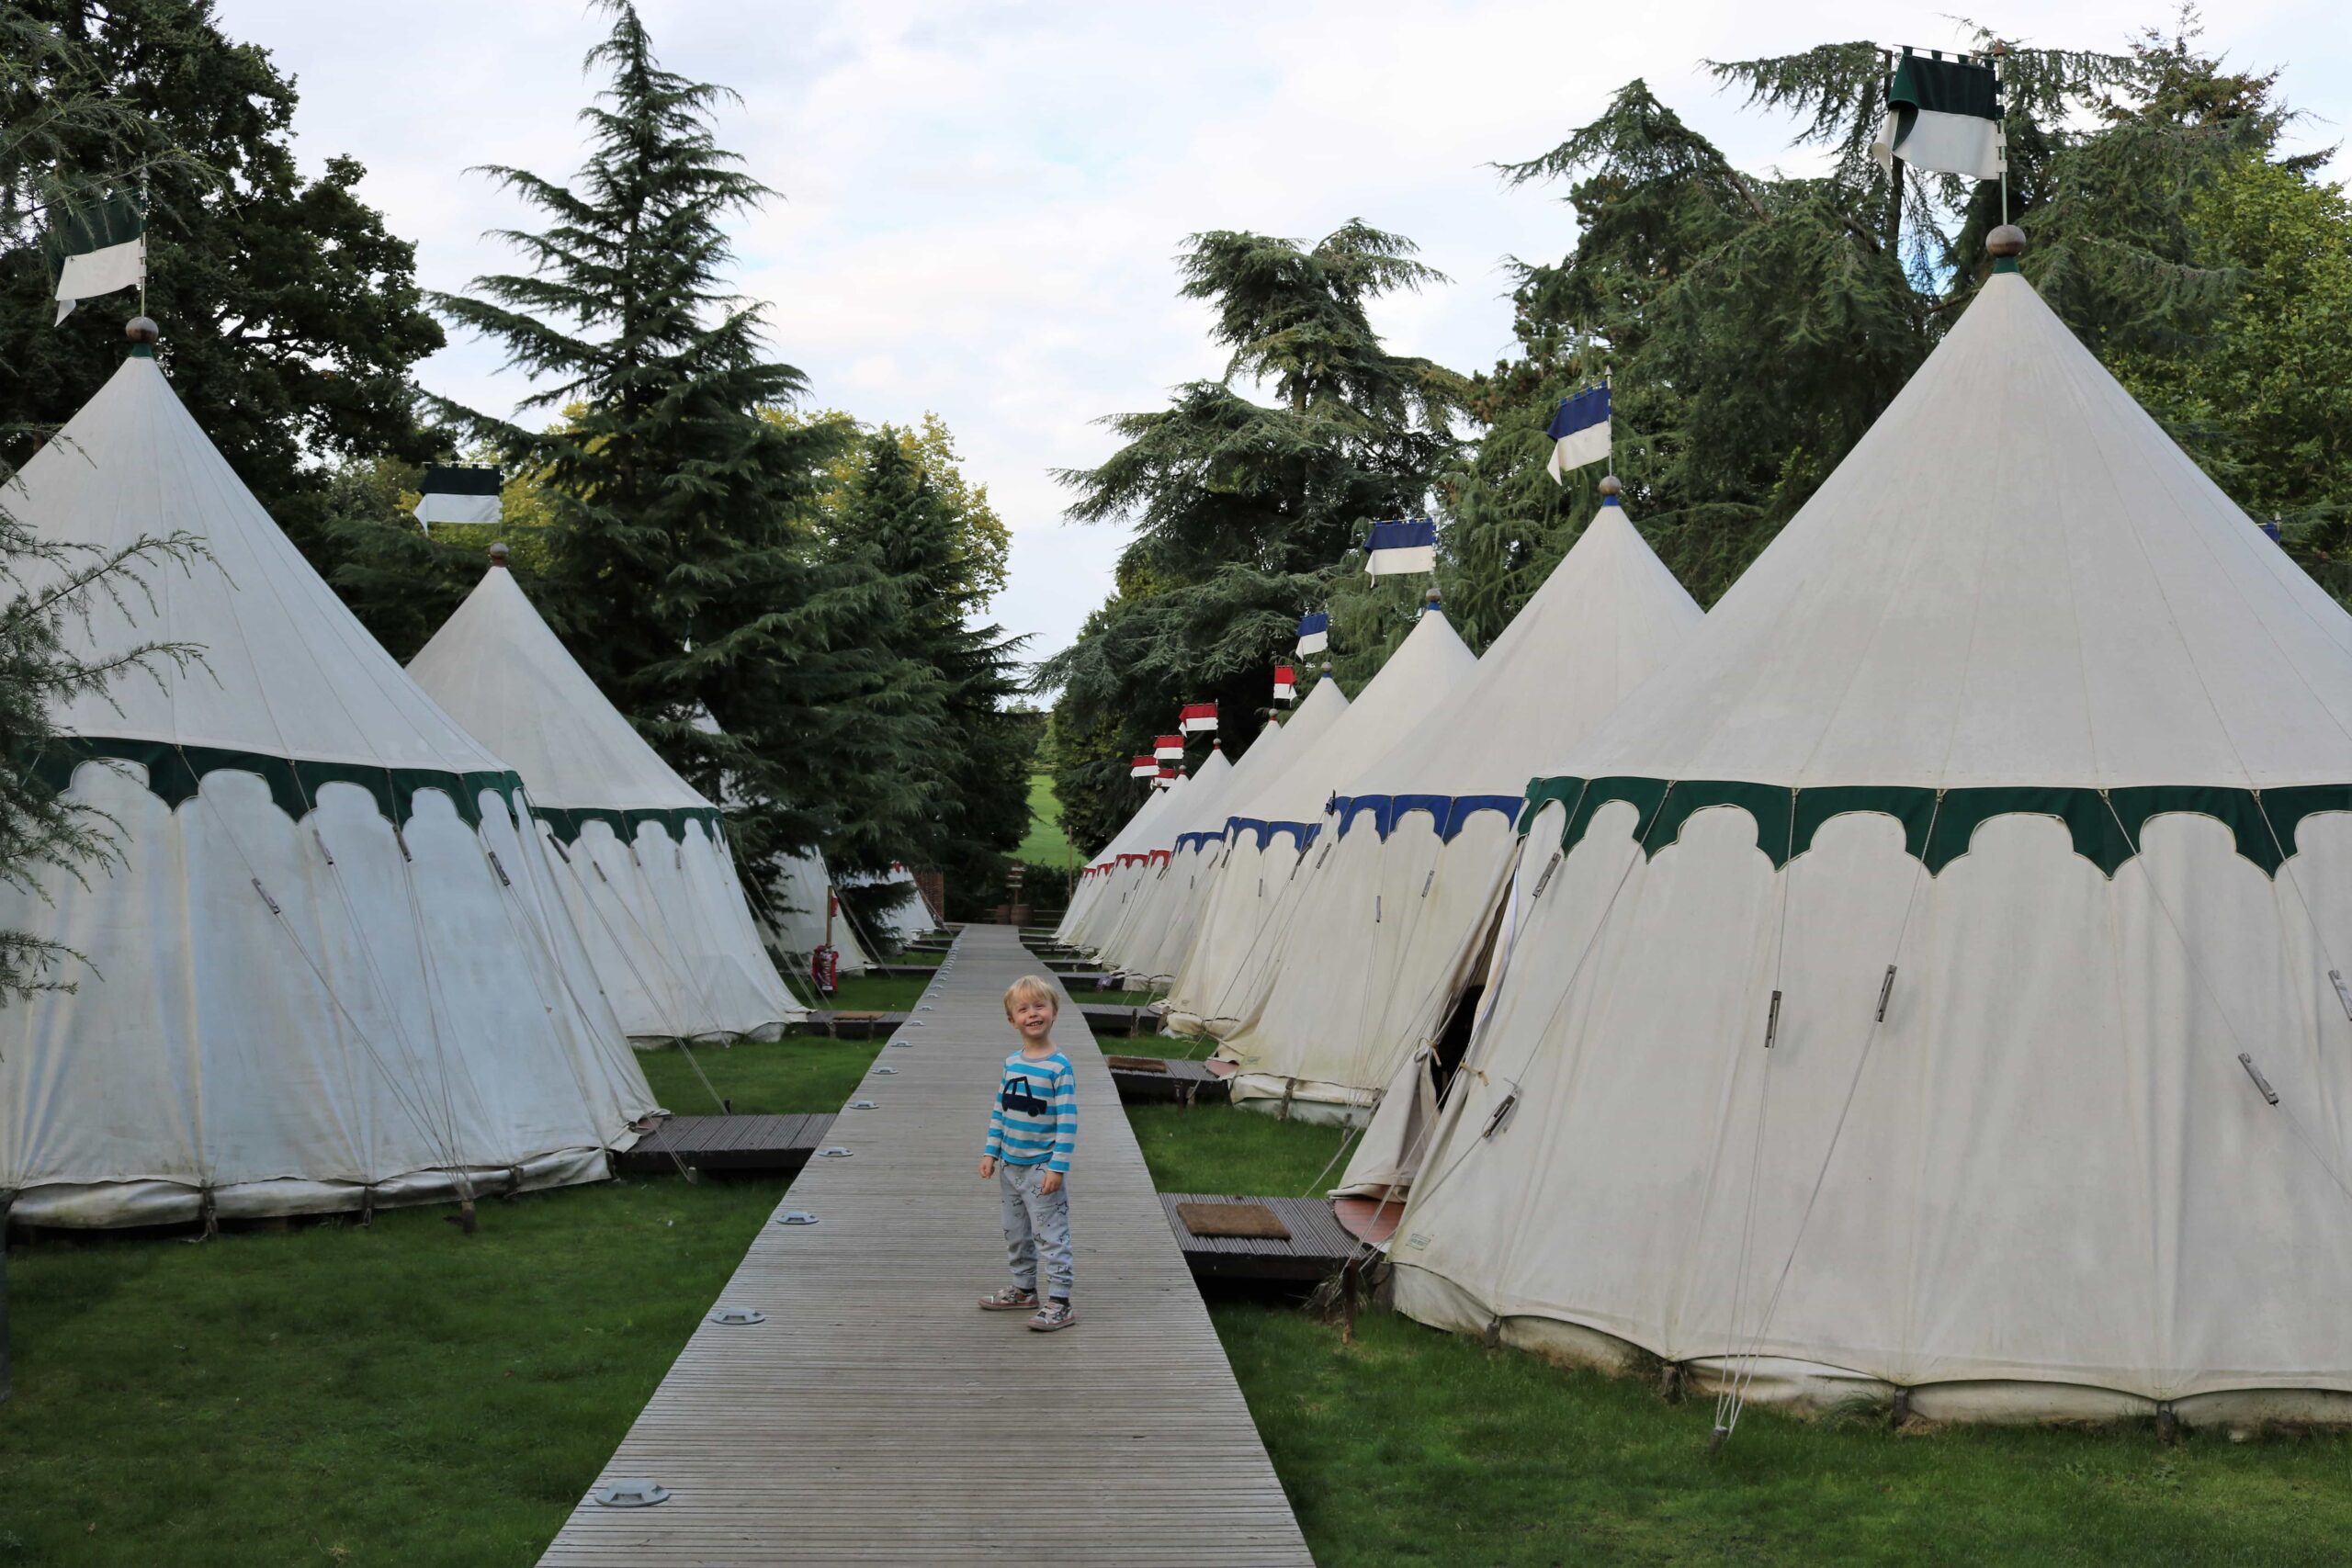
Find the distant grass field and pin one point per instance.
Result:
(1046, 843)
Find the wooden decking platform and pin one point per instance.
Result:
(1109, 1018)
(876, 1415)
(1317, 1246)
(726, 1143)
(1186, 1082)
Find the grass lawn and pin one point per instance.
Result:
(1413, 1447)
(1046, 843)
(405, 1395)
(878, 993)
(797, 1075)
(1215, 1148)
(397, 1394)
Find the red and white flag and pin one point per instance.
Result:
(1197, 718)
(1286, 683)
(1169, 749)
(1144, 768)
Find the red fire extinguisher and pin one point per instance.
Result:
(825, 968)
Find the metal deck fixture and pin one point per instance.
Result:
(863, 1105)
(796, 1217)
(738, 1317)
(836, 1152)
(635, 1491)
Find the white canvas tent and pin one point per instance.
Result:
(907, 918)
(1094, 877)
(641, 856)
(1422, 839)
(330, 969)
(1135, 886)
(1898, 990)
(1248, 920)
(1171, 917)
(793, 920)
(1122, 865)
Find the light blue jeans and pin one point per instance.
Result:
(1035, 1222)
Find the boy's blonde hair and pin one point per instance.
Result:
(1031, 987)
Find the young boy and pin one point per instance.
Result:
(1032, 1131)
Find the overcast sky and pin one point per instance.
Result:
(981, 203)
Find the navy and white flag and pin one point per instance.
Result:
(1398, 548)
(97, 250)
(1943, 116)
(460, 494)
(1579, 432)
(1313, 634)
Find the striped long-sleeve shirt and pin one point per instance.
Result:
(1035, 1118)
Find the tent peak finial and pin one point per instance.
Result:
(1433, 597)
(1611, 486)
(143, 335)
(2005, 244)
(498, 554)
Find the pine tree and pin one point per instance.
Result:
(897, 514)
(1754, 327)
(1244, 510)
(682, 554)
(292, 316)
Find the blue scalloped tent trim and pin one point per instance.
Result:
(1198, 840)
(1450, 813)
(1301, 833)
(2105, 825)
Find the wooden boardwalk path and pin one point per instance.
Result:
(878, 1416)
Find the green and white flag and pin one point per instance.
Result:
(1943, 116)
(97, 250)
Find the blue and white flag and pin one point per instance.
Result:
(1398, 548)
(1313, 632)
(1579, 432)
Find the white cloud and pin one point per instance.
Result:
(981, 203)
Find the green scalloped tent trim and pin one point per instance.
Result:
(567, 820)
(2105, 825)
(173, 772)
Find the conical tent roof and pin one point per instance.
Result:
(664, 919)
(1242, 933)
(1163, 929)
(378, 988)
(2008, 800)
(1269, 757)
(2015, 578)
(1399, 924)
(1139, 886)
(499, 670)
(1430, 666)
(1606, 619)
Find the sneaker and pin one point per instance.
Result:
(1055, 1313)
(1013, 1298)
